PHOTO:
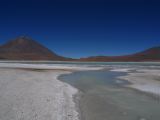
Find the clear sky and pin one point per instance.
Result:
(79, 28)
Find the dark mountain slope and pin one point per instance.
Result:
(24, 48)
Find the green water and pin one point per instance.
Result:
(103, 98)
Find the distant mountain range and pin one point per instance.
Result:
(24, 48)
(151, 54)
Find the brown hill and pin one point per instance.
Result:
(152, 54)
(24, 48)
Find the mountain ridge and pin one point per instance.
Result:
(25, 48)
(151, 54)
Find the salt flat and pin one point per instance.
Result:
(146, 80)
(49, 66)
(35, 95)
(32, 92)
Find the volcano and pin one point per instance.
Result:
(25, 48)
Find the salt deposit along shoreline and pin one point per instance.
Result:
(31, 95)
(145, 80)
(33, 92)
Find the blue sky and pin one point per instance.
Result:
(79, 28)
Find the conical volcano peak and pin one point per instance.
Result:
(23, 39)
(23, 42)
(25, 48)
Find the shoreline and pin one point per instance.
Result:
(143, 80)
(75, 97)
(65, 98)
(50, 98)
(61, 100)
(103, 97)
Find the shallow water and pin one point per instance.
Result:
(105, 98)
